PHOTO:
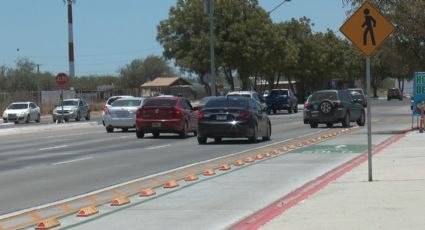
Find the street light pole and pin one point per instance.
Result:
(38, 85)
(210, 9)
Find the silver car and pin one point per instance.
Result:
(22, 111)
(72, 109)
(122, 114)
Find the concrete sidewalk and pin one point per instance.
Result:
(394, 200)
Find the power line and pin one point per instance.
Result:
(278, 6)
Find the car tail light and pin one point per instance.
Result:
(177, 113)
(307, 105)
(337, 104)
(139, 113)
(106, 110)
(201, 115)
(244, 116)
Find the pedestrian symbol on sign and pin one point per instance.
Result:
(369, 27)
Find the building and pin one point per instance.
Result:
(167, 85)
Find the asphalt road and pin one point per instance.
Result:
(50, 165)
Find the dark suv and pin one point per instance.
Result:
(279, 99)
(394, 93)
(333, 106)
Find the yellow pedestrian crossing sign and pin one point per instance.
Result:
(367, 28)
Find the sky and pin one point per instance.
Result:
(110, 34)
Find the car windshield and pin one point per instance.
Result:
(18, 106)
(320, 96)
(279, 92)
(232, 102)
(354, 91)
(69, 103)
(127, 103)
(161, 102)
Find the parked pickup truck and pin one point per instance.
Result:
(281, 99)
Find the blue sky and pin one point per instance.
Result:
(110, 34)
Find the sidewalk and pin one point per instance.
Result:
(394, 200)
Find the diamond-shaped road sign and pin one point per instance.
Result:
(367, 28)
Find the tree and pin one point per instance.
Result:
(141, 70)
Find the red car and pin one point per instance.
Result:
(166, 114)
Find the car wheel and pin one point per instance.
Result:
(183, 133)
(290, 109)
(195, 133)
(254, 137)
(314, 125)
(329, 125)
(269, 111)
(269, 133)
(155, 134)
(326, 107)
(125, 129)
(38, 118)
(296, 109)
(78, 118)
(54, 120)
(202, 140)
(217, 139)
(109, 129)
(346, 121)
(388, 98)
(274, 111)
(66, 119)
(28, 119)
(88, 116)
(139, 133)
(362, 120)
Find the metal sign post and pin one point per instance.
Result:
(369, 120)
(367, 29)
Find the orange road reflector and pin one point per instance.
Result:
(259, 156)
(300, 145)
(208, 172)
(239, 163)
(191, 177)
(334, 134)
(307, 142)
(313, 140)
(284, 148)
(120, 201)
(319, 138)
(87, 211)
(224, 167)
(171, 184)
(265, 155)
(48, 224)
(275, 152)
(248, 159)
(147, 192)
(292, 147)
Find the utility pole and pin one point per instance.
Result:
(70, 40)
(209, 8)
(38, 85)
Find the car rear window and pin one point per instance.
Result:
(279, 92)
(320, 96)
(18, 106)
(229, 102)
(161, 102)
(239, 95)
(126, 103)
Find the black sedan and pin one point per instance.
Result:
(233, 117)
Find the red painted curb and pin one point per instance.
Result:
(259, 218)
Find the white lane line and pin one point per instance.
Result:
(71, 161)
(54, 147)
(157, 147)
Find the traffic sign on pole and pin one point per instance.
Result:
(367, 28)
(61, 79)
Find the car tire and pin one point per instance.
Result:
(217, 139)
(346, 121)
(274, 111)
(195, 133)
(254, 137)
(54, 120)
(28, 119)
(202, 140)
(38, 118)
(362, 120)
(296, 109)
(124, 130)
(183, 133)
(290, 110)
(155, 134)
(329, 125)
(88, 116)
(314, 125)
(326, 107)
(269, 132)
(78, 118)
(140, 133)
(109, 129)
(268, 111)
(66, 119)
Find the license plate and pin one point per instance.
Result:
(221, 117)
(156, 125)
